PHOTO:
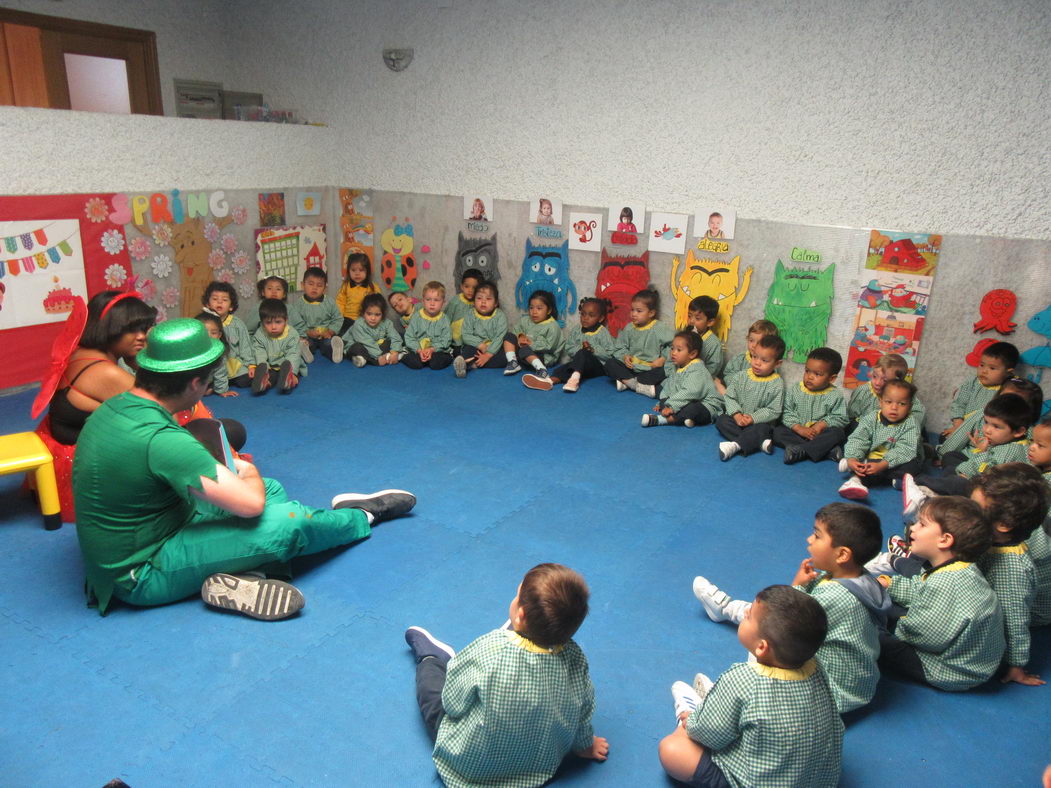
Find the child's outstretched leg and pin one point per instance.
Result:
(719, 605)
(432, 657)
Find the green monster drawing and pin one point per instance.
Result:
(799, 303)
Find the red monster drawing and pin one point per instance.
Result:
(997, 309)
(585, 230)
(619, 278)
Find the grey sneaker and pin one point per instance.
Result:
(460, 367)
(382, 505)
(513, 367)
(304, 350)
(424, 644)
(646, 390)
(337, 349)
(266, 600)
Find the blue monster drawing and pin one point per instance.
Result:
(547, 268)
(1039, 357)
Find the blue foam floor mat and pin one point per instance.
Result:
(506, 478)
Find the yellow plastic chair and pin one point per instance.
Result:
(25, 452)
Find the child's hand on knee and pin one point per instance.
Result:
(598, 751)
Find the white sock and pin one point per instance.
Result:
(510, 356)
(538, 365)
(369, 516)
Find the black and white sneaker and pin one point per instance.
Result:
(382, 505)
(424, 644)
(254, 596)
(513, 367)
(284, 377)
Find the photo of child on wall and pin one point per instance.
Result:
(548, 211)
(716, 223)
(478, 209)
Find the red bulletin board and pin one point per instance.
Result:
(27, 349)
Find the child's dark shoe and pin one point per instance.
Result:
(513, 367)
(285, 377)
(381, 505)
(424, 644)
(795, 453)
(261, 379)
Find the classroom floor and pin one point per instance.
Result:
(506, 478)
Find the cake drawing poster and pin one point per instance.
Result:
(42, 271)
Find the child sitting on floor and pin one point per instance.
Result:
(1014, 499)
(772, 722)
(356, 285)
(845, 537)
(1040, 542)
(428, 338)
(865, 399)
(688, 392)
(271, 287)
(743, 361)
(316, 318)
(589, 346)
(702, 313)
(884, 445)
(754, 399)
(952, 636)
(953, 450)
(513, 703)
(220, 298)
(404, 308)
(373, 339)
(460, 307)
(220, 380)
(278, 361)
(641, 348)
(484, 329)
(815, 415)
(536, 338)
(995, 366)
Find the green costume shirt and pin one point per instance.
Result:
(599, 338)
(1010, 572)
(132, 476)
(960, 439)
(644, 345)
(1040, 553)
(878, 439)
(692, 383)
(851, 648)
(274, 351)
(241, 351)
(712, 353)
(738, 363)
(807, 408)
(760, 398)
(970, 397)
(864, 400)
(545, 338)
(304, 315)
(425, 331)
(488, 330)
(954, 622)
(370, 337)
(456, 310)
(771, 727)
(513, 710)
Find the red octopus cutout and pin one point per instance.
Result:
(997, 309)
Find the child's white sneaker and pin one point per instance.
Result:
(621, 386)
(646, 390)
(702, 685)
(882, 564)
(843, 467)
(728, 449)
(767, 446)
(358, 361)
(460, 367)
(686, 699)
(912, 497)
(711, 598)
(649, 420)
(337, 350)
(854, 489)
(690, 423)
(572, 384)
(304, 350)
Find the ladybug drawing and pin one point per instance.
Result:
(398, 265)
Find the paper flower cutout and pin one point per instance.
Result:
(95, 209)
(226, 275)
(148, 288)
(240, 214)
(115, 275)
(139, 247)
(162, 314)
(246, 289)
(162, 234)
(161, 265)
(211, 232)
(112, 241)
(229, 244)
(216, 259)
(170, 297)
(240, 261)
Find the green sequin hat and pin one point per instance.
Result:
(178, 346)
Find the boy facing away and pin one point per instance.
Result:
(845, 536)
(952, 636)
(512, 704)
(813, 425)
(754, 399)
(772, 722)
(316, 318)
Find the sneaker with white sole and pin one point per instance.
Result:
(337, 350)
(842, 466)
(649, 420)
(304, 350)
(621, 385)
(702, 685)
(854, 489)
(460, 367)
(424, 644)
(358, 361)
(381, 505)
(912, 497)
(573, 384)
(711, 598)
(284, 377)
(898, 547)
(767, 446)
(685, 697)
(882, 564)
(689, 423)
(646, 390)
(537, 382)
(836, 454)
(513, 367)
(254, 596)
(728, 449)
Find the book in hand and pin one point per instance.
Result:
(212, 435)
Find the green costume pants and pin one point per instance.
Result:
(216, 541)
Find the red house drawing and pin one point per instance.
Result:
(903, 255)
(315, 258)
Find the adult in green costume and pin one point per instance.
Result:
(159, 519)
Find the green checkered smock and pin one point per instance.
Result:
(545, 337)
(863, 400)
(599, 338)
(305, 315)
(712, 353)
(960, 439)
(978, 461)
(456, 310)
(1040, 554)
(1012, 575)
(970, 397)
(851, 646)
(692, 383)
(644, 345)
(877, 439)
(771, 727)
(513, 711)
(242, 350)
(738, 363)
(954, 622)
(760, 398)
(483, 330)
(369, 338)
(274, 351)
(426, 331)
(806, 407)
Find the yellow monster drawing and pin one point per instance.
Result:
(714, 278)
